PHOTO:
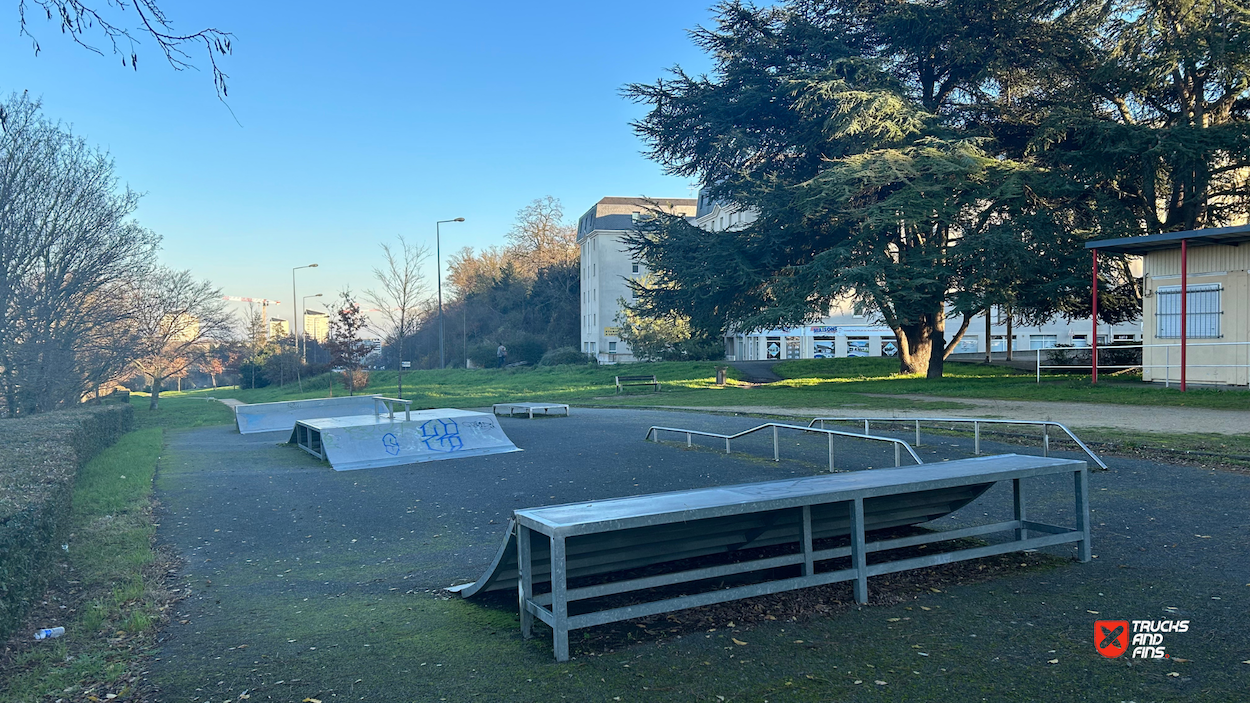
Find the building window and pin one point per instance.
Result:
(773, 350)
(793, 348)
(969, 344)
(1202, 311)
(1042, 341)
(857, 346)
(611, 347)
(823, 347)
(1080, 340)
(889, 346)
(635, 268)
(635, 216)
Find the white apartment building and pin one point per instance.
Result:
(846, 332)
(316, 325)
(606, 267)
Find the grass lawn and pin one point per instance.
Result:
(817, 383)
(109, 593)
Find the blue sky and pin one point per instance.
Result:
(357, 126)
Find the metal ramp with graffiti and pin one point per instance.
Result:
(403, 437)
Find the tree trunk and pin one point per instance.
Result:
(922, 345)
(156, 392)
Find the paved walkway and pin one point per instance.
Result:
(1122, 417)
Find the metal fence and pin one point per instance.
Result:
(899, 445)
(976, 423)
(1171, 360)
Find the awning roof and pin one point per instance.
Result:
(1172, 240)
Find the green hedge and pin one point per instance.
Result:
(39, 458)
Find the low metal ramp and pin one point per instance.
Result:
(781, 534)
(404, 437)
(281, 417)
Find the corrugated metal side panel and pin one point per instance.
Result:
(1201, 259)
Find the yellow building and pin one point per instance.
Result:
(1208, 326)
(316, 325)
(279, 328)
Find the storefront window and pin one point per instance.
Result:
(889, 346)
(825, 347)
(773, 348)
(857, 346)
(793, 348)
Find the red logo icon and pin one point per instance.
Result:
(1111, 637)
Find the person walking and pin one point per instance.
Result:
(502, 353)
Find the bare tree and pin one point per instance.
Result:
(402, 294)
(540, 237)
(109, 18)
(177, 318)
(68, 259)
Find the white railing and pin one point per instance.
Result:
(1167, 365)
(899, 445)
(976, 423)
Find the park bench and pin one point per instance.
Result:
(623, 381)
(569, 561)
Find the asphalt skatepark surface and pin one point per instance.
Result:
(275, 543)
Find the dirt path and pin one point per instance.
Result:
(1122, 417)
(230, 402)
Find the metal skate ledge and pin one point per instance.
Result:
(556, 543)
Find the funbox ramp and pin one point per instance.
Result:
(281, 417)
(372, 441)
(637, 548)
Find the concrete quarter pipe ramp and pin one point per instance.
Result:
(376, 440)
(280, 417)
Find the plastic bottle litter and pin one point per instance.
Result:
(48, 633)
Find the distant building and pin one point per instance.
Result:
(316, 325)
(278, 328)
(848, 332)
(606, 267)
(372, 343)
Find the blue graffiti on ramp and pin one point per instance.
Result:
(441, 436)
(390, 443)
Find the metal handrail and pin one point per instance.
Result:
(389, 404)
(899, 444)
(976, 429)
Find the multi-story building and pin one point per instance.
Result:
(846, 331)
(278, 328)
(606, 267)
(316, 325)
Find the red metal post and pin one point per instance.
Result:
(1093, 317)
(1184, 307)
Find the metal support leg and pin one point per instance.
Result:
(726, 445)
(559, 600)
(976, 438)
(1045, 440)
(687, 439)
(776, 451)
(830, 453)
(1017, 492)
(865, 427)
(807, 541)
(525, 585)
(1081, 479)
(917, 433)
(898, 455)
(859, 560)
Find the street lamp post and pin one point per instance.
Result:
(438, 262)
(295, 322)
(303, 305)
